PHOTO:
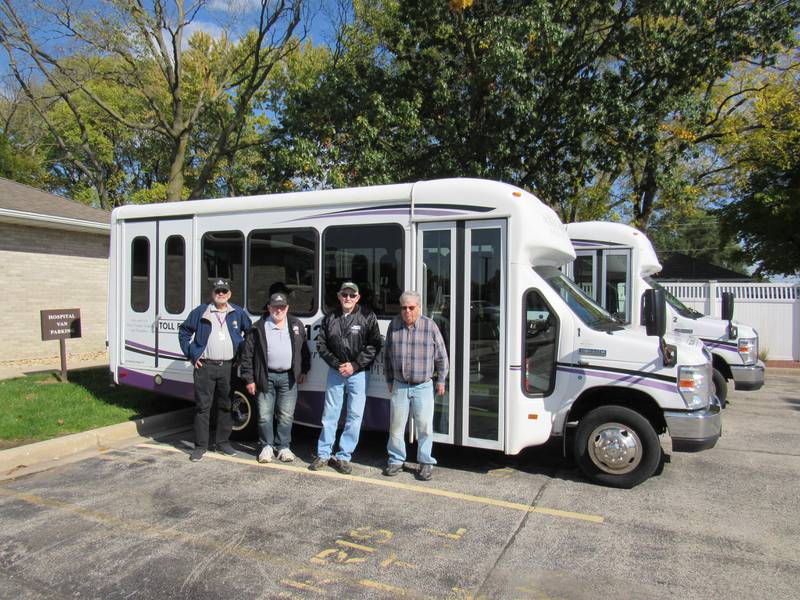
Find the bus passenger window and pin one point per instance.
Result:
(223, 256)
(371, 256)
(175, 275)
(283, 260)
(140, 274)
(540, 340)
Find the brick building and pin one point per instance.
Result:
(53, 254)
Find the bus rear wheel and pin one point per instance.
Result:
(243, 415)
(617, 447)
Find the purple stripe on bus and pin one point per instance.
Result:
(150, 349)
(432, 212)
(721, 346)
(146, 381)
(658, 385)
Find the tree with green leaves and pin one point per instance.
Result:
(148, 48)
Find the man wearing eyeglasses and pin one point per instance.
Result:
(414, 354)
(209, 338)
(275, 360)
(349, 340)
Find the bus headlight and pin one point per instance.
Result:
(694, 385)
(748, 350)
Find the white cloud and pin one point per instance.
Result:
(236, 7)
(215, 31)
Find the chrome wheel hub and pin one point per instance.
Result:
(615, 448)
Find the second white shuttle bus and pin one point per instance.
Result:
(531, 356)
(615, 264)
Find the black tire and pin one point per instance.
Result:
(720, 387)
(243, 415)
(617, 447)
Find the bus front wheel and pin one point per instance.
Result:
(617, 446)
(720, 387)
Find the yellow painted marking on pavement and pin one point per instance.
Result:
(145, 529)
(384, 587)
(453, 536)
(392, 560)
(356, 546)
(432, 491)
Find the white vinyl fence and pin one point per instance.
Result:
(773, 309)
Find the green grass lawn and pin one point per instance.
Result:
(40, 407)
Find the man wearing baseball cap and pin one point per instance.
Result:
(209, 338)
(349, 341)
(274, 361)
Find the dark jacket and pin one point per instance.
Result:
(354, 338)
(194, 331)
(253, 359)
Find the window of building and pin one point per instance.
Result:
(284, 260)
(140, 274)
(175, 274)
(223, 257)
(370, 256)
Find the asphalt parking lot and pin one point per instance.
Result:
(144, 522)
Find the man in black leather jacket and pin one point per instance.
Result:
(349, 341)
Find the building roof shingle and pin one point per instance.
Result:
(23, 200)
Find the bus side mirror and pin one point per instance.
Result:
(727, 306)
(654, 310)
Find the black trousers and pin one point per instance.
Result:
(212, 384)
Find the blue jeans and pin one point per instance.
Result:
(281, 394)
(356, 388)
(420, 398)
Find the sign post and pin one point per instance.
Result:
(61, 324)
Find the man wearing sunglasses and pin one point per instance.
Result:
(349, 340)
(275, 360)
(210, 337)
(414, 354)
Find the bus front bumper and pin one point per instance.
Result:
(693, 431)
(748, 377)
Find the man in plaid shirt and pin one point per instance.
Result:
(413, 354)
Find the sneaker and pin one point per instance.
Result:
(197, 454)
(393, 469)
(343, 466)
(226, 449)
(285, 455)
(266, 455)
(425, 472)
(317, 463)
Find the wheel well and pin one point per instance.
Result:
(615, 396)
(720, 365)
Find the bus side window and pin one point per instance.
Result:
(283, 260)
(371, 256)
(540, 338)
(140, 274)
(223, 256)
(175, 275)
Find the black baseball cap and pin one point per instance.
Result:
(221, 284)
(278, 299)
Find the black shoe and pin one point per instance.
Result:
(343, 466)
(197, 454)
(317, 464)
(226, 449)
(393, 469)
(425, 472)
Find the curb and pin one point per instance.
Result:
(33, 455)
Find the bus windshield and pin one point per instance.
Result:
(582, 305)
(679, 306)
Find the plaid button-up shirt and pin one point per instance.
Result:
(411, 354)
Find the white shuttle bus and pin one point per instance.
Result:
(615, 264)
(531, 356)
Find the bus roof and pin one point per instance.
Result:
(588, 235)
